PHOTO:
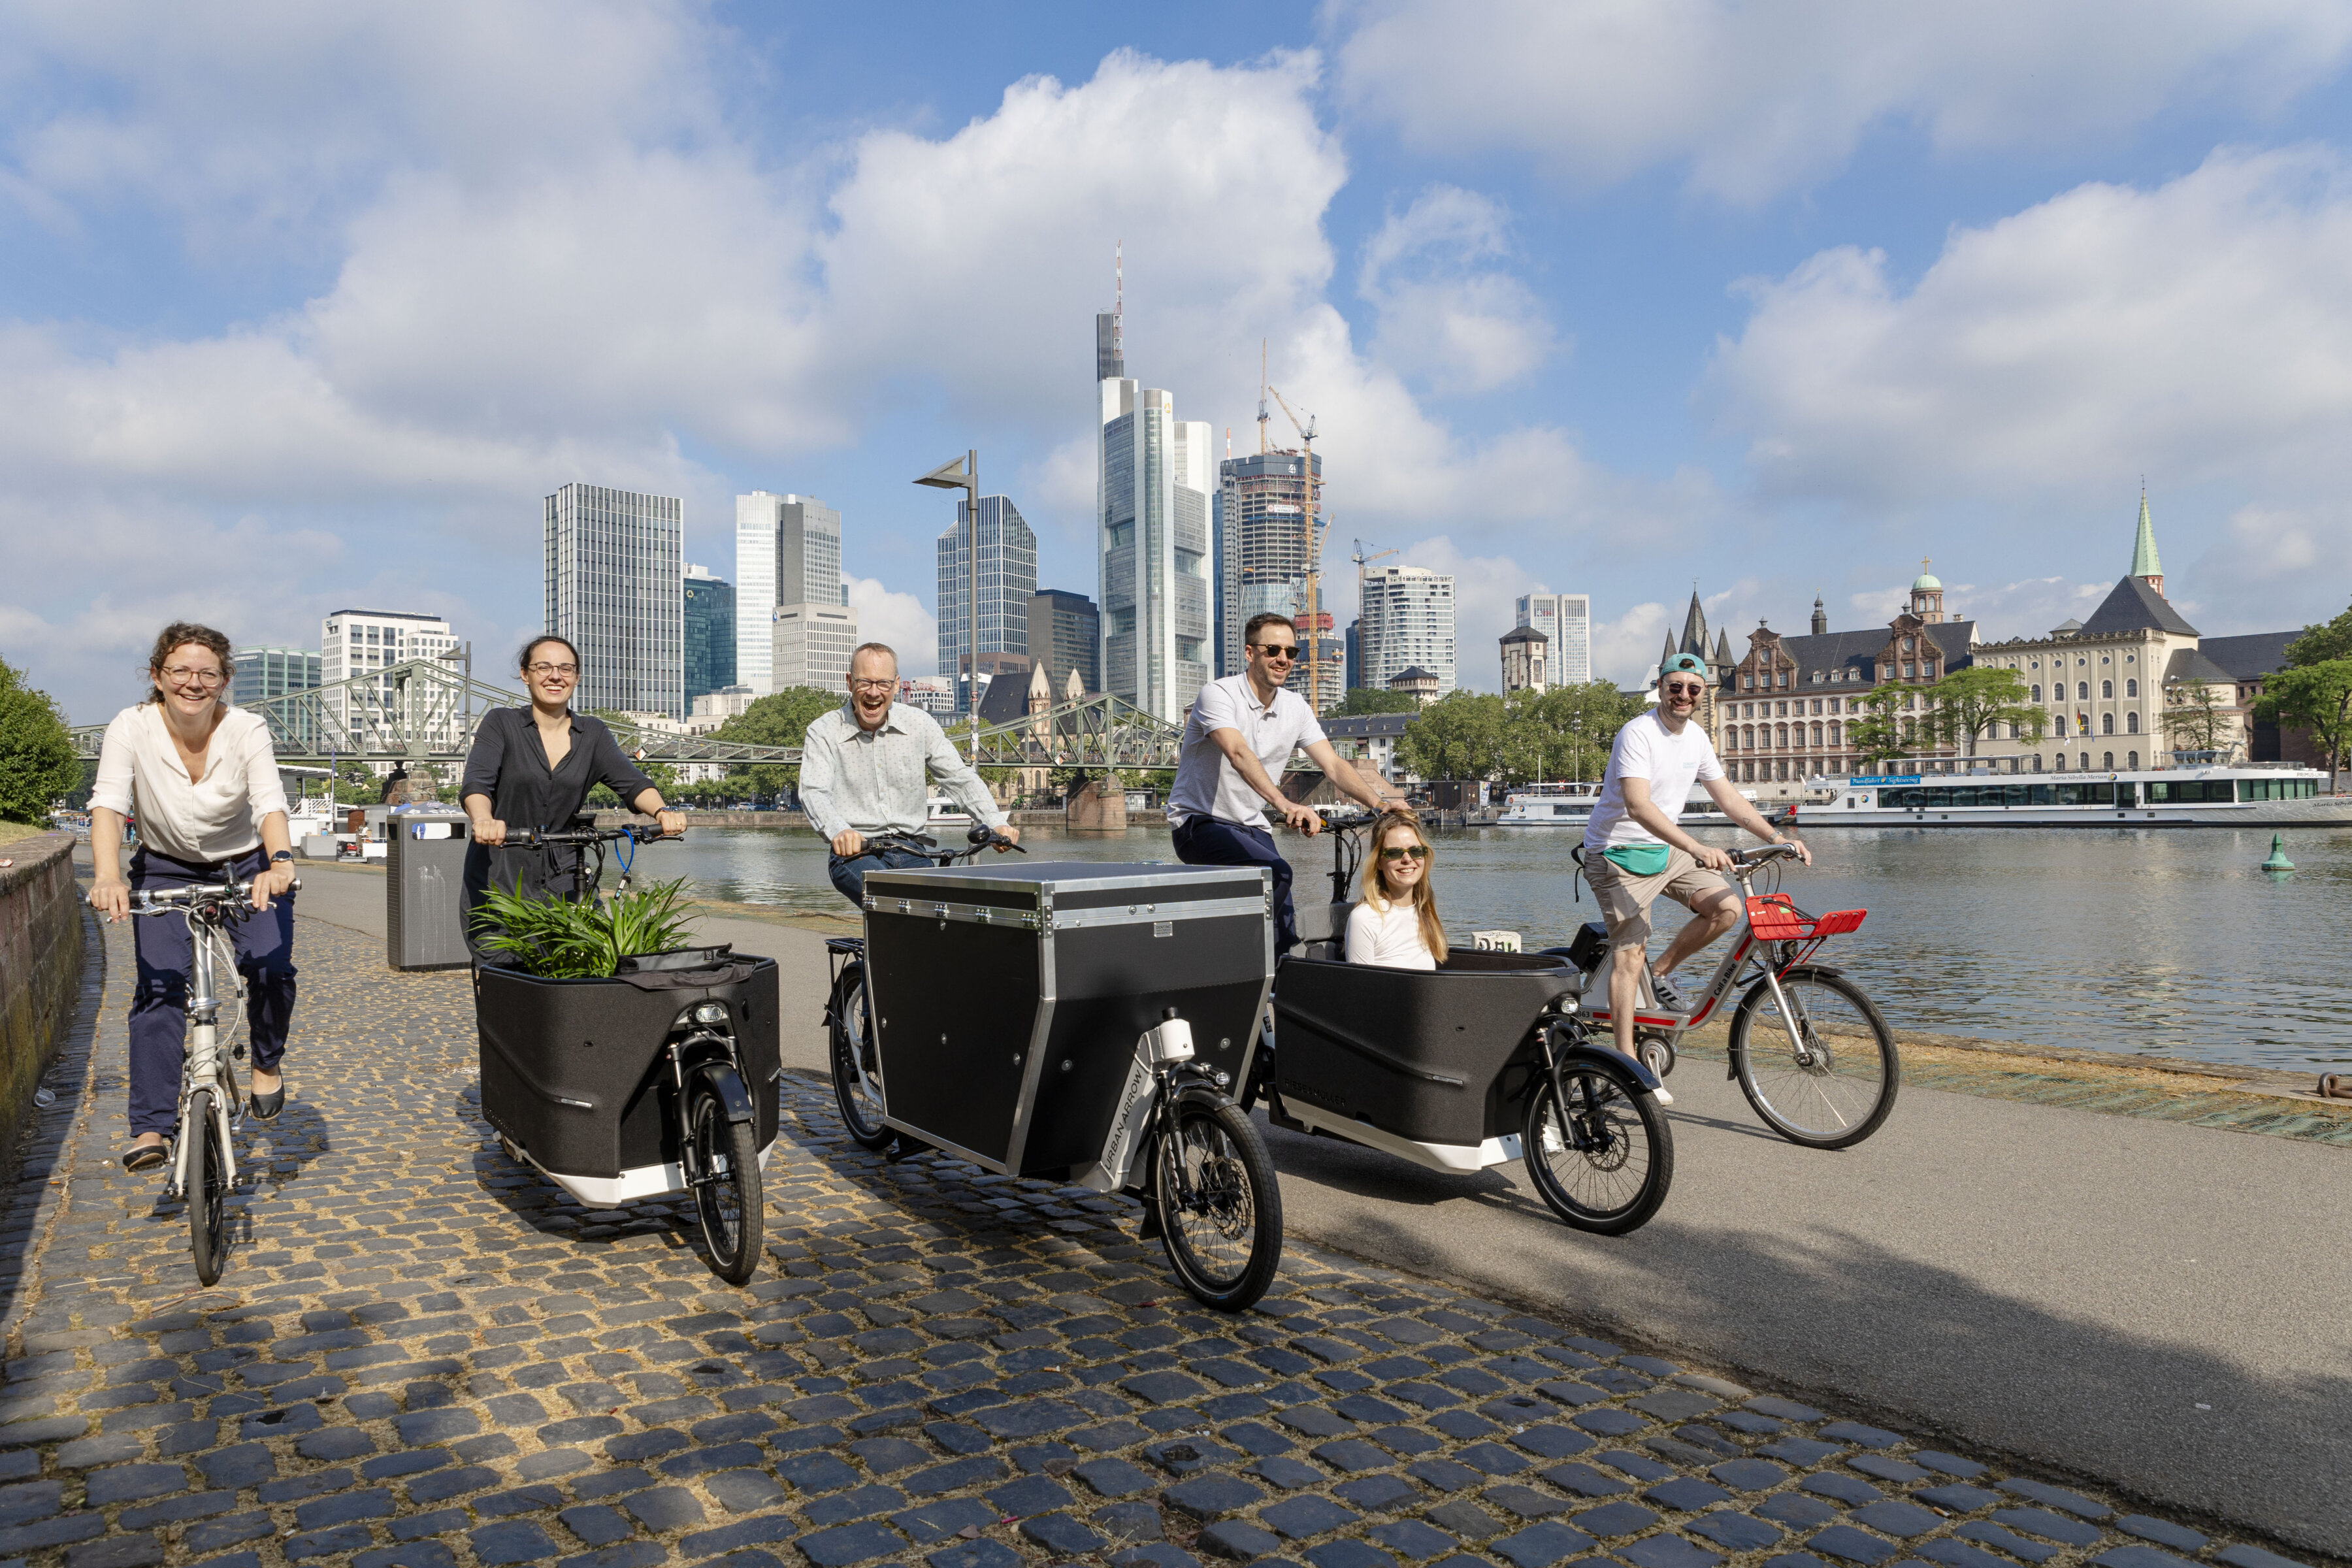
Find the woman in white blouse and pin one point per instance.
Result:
(202, 779)
(1395, 925)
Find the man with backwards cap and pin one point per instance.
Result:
(1633, 850)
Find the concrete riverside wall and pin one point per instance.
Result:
(40, 970)
(1047, 818)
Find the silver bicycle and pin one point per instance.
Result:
(203, 1162)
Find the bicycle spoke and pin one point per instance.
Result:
(1815, 1062)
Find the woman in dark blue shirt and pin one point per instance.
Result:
(533, 767)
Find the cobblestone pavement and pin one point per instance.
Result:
(421, 1355)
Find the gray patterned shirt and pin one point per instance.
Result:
(877, 781)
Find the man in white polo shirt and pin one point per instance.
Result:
(1241, 733)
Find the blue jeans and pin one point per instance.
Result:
(264, 956)
(848, 872)
(1205, 841)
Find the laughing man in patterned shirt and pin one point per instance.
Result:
(867, 767)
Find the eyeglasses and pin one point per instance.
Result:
(873, 685)
(552, 669)
(1278, 649)
(1681, 688)
(1399, 851)
(187, 675)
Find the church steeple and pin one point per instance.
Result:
(1695, 628)
(1821, 618)
(2145, 564)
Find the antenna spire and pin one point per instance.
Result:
(1119, 298)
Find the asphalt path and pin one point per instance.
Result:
(2156, 1307)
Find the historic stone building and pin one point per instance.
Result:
(1783, 711)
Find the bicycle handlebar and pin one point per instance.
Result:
(538, 837)
(168, 901)
(982, 837)
(1763, 853)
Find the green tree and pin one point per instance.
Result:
(2319, 644)
(1878, 735)
(1361, 702)
(2317, 696)
(38, 765)
(1968, 703)
(2196, 719)
(1460, 736)
(780, 719)
(1563, 733)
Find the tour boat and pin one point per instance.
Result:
(2203, 796)
(1549, 805)
(940, 812)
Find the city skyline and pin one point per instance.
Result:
(1549, 346)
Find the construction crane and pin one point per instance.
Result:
(1313, 581)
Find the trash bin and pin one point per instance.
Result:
(425, 889)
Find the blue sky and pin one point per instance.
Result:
(306, 307)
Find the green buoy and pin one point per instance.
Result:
(2278, 860)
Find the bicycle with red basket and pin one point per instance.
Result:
(1807, 1047)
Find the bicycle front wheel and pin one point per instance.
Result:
(207, 1187)
(726, 1193)
(1604, 1162)
(1822, 1071)
(1220, 1212)
(857, 1069)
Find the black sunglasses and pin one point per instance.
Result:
(1278, 649)
(1399, 851)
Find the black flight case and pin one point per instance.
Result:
(1007, 999)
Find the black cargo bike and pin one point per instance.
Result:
(658, 1081)
(1076, 1020)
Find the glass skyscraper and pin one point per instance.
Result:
(1008, 577)
(1565, 619)
(615, 588)
(1407, 623)
(710, 603)
(787, 552)
(1152, 508)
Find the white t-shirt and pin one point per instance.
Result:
(1671, 764)
(1206, 784)
(1390, 937)
(139, 774)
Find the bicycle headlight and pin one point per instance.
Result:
(709, 1012)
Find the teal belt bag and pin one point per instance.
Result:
(1640, 860)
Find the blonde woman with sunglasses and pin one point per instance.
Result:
(1395, 925)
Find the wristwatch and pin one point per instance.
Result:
(285, 854)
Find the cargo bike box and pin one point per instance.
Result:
(1077, 1021)
(1007, 999)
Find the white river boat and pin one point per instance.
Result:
(2213, 795)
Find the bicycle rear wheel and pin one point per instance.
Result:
(857, 1069)
(1220, 1212)
(727, 1194)
(1824, 1073)
(1605, 1166)
(207, 1189)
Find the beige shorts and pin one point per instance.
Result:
(1625, 899)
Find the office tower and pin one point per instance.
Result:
(615, 588)
(1065, 635)
(1355, 655)
(710, 632)
(260, 673)
(1008, 577)
(1408, 623)
(355, 643)
(1151, 507)
(1566, 622)
(787, 552)
(1261, 506)
(813, 644)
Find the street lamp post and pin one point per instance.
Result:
(964, 475)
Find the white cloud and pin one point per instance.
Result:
(1754, 99)
(1622, 650)
(1447, 316)
(900, 619)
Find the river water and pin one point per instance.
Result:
(2154, 942)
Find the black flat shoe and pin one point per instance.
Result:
(145, 1156)
(265, 1107)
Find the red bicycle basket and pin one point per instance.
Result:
(1775, 919)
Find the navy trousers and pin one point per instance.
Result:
(264, 956)
(1205, 841)
(848, 872)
